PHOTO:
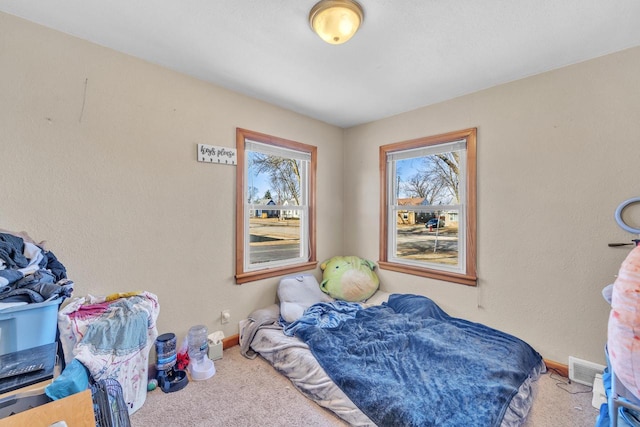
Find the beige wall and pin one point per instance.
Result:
(98, 157)
(557, 153)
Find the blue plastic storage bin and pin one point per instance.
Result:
(27, 326)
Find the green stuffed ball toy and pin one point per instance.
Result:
(349, 278)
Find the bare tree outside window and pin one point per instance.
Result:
(446, 167)
(283, 173)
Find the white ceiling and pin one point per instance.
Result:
(407, 54)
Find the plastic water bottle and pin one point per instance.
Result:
(198, 344)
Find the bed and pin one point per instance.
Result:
(397, 360)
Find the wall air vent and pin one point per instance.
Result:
(583, 371)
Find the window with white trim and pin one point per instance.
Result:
(428, 209)
(275, 213)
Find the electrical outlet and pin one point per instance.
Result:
(225, 315)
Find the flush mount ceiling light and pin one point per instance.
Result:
(336, 21)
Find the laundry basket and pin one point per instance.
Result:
(108, 404)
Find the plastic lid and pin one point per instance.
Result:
(166, 337)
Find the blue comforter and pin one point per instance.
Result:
(408, 363)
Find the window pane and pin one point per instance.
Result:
(273, 237)
(424, 236)
(273, 183)
(428, 236)
(434, 179)
(274, 179)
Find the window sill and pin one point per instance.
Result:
(272, 272)
(462, 279)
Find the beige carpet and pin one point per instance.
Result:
(247, 392)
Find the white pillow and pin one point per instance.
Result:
(297, 293)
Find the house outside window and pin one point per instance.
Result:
(428, 207)
(275, 206)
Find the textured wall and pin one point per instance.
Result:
(557, 153)
(98, 157)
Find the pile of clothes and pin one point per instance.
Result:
(28, 272)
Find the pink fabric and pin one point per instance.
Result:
(623, 342)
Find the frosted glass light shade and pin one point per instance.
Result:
(336, 21)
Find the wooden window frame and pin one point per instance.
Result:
(241, 275)
(469, 277)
